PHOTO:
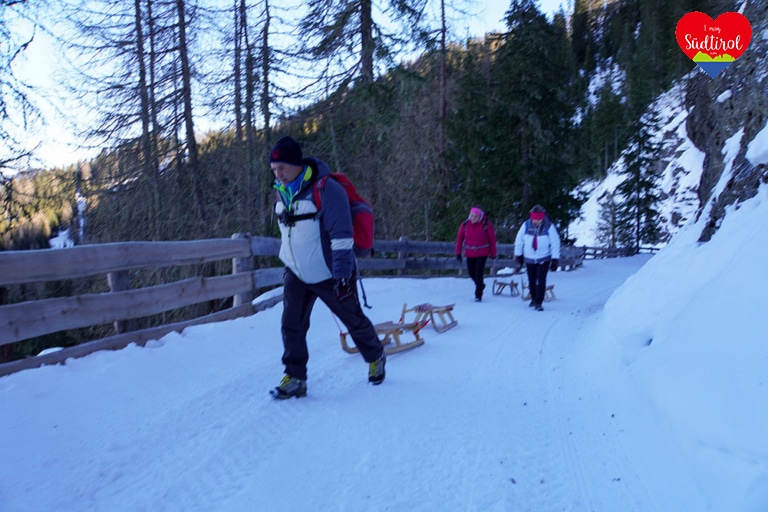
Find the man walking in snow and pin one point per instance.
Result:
(538, 245)
(317, 250)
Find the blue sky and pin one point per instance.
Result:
(494, 10)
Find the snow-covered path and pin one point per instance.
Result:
(511, 410)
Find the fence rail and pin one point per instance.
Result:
(122, 305)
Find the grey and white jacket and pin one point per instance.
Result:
(547, 242)
(320, 247)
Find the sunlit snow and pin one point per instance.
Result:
(641, 387)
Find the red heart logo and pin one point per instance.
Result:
(713, 44)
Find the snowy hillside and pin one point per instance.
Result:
(640, 388)
(726, 117)
(683, 164)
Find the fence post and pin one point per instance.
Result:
(401, 255)
(6, 351)
(120, 281)
(242, 265)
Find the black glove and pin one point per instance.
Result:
(553, 265)
(519, 260)
(458, 258)
(344, 288)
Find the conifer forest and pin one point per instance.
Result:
(424, 122)
(183, 99)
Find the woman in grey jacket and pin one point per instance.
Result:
(538, 245)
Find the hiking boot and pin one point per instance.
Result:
(289, 387)
(538, 307)
(532, 304)
(376, 371)
(478, 299)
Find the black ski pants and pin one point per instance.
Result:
(298, 300)
(537, 280)
(476, 270)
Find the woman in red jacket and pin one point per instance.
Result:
(478, 239)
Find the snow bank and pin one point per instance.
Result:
(684, 328)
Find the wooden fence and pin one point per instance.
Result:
(596, 253)
(122, 305)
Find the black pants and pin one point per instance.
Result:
(537, 280)
(298, 300)
(476, 269)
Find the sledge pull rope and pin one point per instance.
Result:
(335, 319)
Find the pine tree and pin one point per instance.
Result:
(607, 222)
(469, 127)
(638, 214)
(532, 113)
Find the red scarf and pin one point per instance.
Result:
(536, 216)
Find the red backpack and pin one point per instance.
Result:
(362, 212)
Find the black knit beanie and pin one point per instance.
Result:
(288, 151)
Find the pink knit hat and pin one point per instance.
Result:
(476, 211)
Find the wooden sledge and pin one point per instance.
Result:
(549, 294)
(499, 286)
(440, 316)
(389, 332)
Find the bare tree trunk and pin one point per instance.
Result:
(443, 92)
(156, 129)
(334, 142)
(366, 40)
(146, 128)
(250, 115)
(441, 122)
(192, 163)
(366, 75)
(239, 33)
(264, 204)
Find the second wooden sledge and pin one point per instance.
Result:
(549, 294)
(499, 286)
(441, 316)
(390, 333)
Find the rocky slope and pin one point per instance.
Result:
(734, 105)
(705, 128)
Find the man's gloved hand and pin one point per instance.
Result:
(553, 265)
(344, 288)
(519, 260)
(458, 258)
